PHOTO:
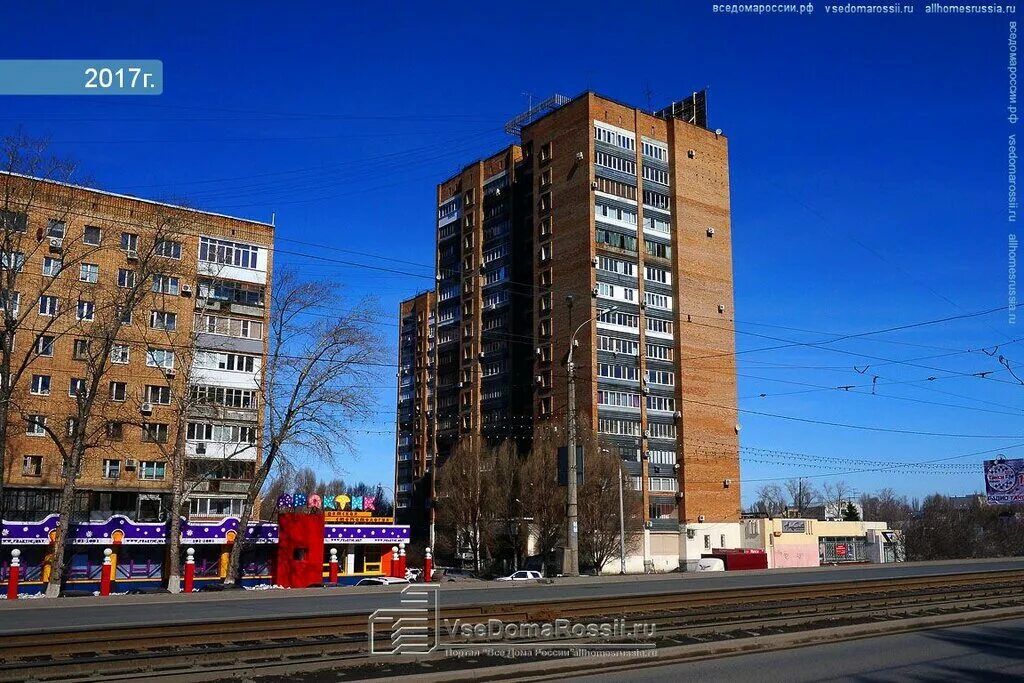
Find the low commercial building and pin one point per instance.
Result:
(813, 542)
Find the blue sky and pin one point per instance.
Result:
(867, 156)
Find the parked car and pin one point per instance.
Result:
(521, 575)
(381, 581)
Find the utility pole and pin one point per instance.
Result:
(572, 564)
(622, 526)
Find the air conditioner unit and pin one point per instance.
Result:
(593, 261)
(146, 408)
(648, 524)
(539, 379)
(186, 290)
(171, 372)
(700, 519)
(593, 185)
(675, 467)
(56, 244)
(727, 483)
(711, 232)
(579, 156)
(595, 291)
(647, 433)
(132, 255)
(129, 464)
(691, 533)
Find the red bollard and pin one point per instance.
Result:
(428, 567)
(190, 569)
(12, 575)
(401, 561)
(105, 575)
(394, 561)
(334, 566)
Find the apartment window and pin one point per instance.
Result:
(656, 199)
(607, 291)
(125, 315)
(707, 541)
(118, 391)
(80, 349)
(659, 430)
(659, 352)
(615, 214)
(129, 242)
(614, 265)
(654, 150)
(621, 427)
(544, 329)
(657, 249)
(221, 433)
(35, 425)
(44, 345)
(111, 469)
(92, 235)
(55, 228)
(545, 152)
(77, 387)
(10, 302)
(662, 457)
(152, 470)
(545, 178)
(12, 260)
(232, 292)
(545, 278)
(115, 431)
(168, 249)
(48, 305)
(615, 163)
(613, 371)
(668, 484)
(221, 396)
(32, 466)
(545, 201)
(234, 327)
(658, 326)
(611, 136)
(468, 198)
(52, 266)
(615, 239)
(659, 275)
(616, 345)
(160, 358)
(655, 223)
(654, 300)
(125, 278)
(545, 227)
(13, 221)
(154, 432)
(89, 272)
(158, 394)
(545, 252)
(228, 253)
(226, 361)
(41, 385)
(162, 320)
(656, 175)
(619, 319)
(86, 311)
(663, 377)
(664, 404)
(618, 399)
(166, 284)
(120, 354)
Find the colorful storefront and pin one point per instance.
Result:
(140, 561)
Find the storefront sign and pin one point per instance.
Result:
(794, 526)
(840, 550)
(355, 517)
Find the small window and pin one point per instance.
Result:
(707, 541)
(545, 152)
(41, 385)
(168, 249)
(129, 242)
(158, 394)
(92, 235)
(545, 201)
(77, 387)
(48, 305)
(86, 311)
(120, 354)
(153, 432)
(35, 425)
(162, 320)
(125, 278)
(13, 221)
(80, 350)
(545, 178)
(55, 228)
(150, 469)
(32, 466)
(545, 227)
(111, 469)
(44, 345)
(115, 431)
(118, 391)
(52, 266)
(89, 272)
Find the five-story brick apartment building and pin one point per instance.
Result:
(193, 345)
(617, 219)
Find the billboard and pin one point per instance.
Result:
(1004, 481)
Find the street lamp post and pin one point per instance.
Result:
(573, 559)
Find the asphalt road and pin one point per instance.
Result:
(990, 652)
(36, 615)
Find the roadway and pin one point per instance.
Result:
(993, 651)
(35, 615)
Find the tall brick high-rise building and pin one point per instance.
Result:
(193, 345)
(601, 205)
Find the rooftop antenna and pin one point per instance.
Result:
(529, 99)
(273, 218)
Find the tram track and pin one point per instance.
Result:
(213, 649)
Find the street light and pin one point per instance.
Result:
(573, 559)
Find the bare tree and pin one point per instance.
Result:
(543, 498)
(310, 390)
(771, 500)
(103, 322)
(36, 199)
(599, 505)
(504, 528)
(802, 493)
(887, 506)
(461, 486)
(835, 496)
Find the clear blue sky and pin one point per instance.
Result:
(868, 160)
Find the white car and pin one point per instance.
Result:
(521, 575)
(381, 581)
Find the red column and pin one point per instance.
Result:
(12, 575)
(428, 567)
(334, 566)
(394, 560)
(401, 561)
(190, 569)
(105, 574)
